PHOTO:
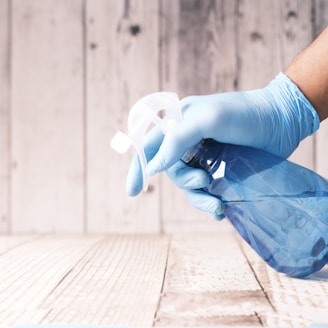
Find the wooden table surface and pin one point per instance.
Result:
(151, 280)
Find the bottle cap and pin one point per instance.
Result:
(159, 108)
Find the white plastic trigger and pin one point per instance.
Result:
(159, 108)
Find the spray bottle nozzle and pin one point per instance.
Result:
(142, 114)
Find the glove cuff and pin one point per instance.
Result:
(294, 113)
(308, 116)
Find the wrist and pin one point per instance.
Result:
(309, 72)
(301, 106)
(294, 117)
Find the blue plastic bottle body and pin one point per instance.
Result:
(278, 207)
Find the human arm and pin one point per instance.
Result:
(309, 71)
(275, 118)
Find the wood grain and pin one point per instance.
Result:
(118, 283)
(207, 53)
(47, 116)
(113, 280)
(122, 66)
(210, 283)
(195, 280)
(31, 271)
(4, 116)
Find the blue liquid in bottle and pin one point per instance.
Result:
(278, 207)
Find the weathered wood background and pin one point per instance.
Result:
(70, 71)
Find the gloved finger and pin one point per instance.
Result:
(197, 124)
(176, 142)
(207, 203)
(134, 181)
(186, 103)
(186, 177)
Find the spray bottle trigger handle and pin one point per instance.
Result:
(121, 142)
(143, 113)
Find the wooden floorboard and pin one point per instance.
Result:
(8, 242)
(118, 283)
(199, 280)
(209, 282)
(297, 302)
(30, 272)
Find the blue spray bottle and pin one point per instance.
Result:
(278, 207)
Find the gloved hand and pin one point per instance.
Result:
(275, 119)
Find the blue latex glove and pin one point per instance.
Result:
(275, 119)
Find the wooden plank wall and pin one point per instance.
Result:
(4, 115)
(71, 69)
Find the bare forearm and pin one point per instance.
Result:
(309, 71)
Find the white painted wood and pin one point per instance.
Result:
(113, 280)
(122, 66)
(47, 116)
(259, 51)
(209, 283)
(8, 242)
(146, 280)
(32, 271)
(118, 284)
(268, 42)
(4, 116)
(198, 49)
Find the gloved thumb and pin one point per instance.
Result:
(134, 181)
(175, 143)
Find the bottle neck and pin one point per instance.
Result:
(205, 155)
